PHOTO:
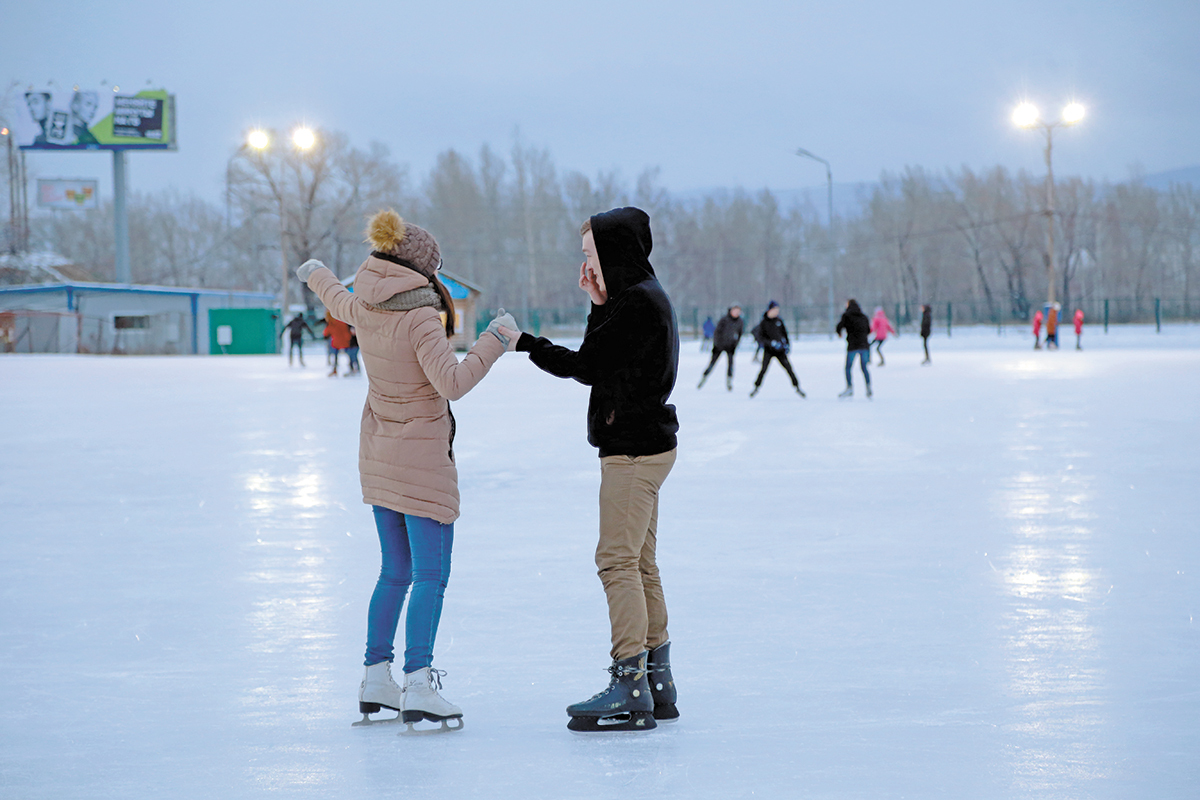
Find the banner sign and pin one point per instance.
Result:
(68, 195)
(95, 120)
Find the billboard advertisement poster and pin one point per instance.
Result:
(68, 195)
(86, 119)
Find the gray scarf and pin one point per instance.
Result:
(413, 298)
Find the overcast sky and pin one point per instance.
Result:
(716, 94)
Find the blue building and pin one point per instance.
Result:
(84, 317)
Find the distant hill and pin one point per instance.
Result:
(1163, 180)
(848, 198)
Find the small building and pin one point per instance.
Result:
(466, 303)
(85, 317)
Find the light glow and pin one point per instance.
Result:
(258, 139)
(304, 138)
(1072, 113)
(1025, 115)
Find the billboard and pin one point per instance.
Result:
(95, 119)
(68, 195)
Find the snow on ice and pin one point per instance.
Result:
(982, 583)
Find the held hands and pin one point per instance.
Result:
(504, 328)
(587, 282)
(513, 335)
(307, 268)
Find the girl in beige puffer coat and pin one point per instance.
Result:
(406, 447)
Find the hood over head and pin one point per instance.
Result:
(853, 307)
(623, 244)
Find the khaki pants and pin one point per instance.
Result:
(637, 610)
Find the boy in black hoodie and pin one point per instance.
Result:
(771, 335)
(629, 356)
(858, 329)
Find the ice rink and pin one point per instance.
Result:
(982, 583)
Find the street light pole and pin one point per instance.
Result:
(832, 238)
(1026, 116)
(1050, 271)
(304, 139)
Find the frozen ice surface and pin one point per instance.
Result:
(980, 584)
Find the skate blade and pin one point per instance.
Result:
(636, 722)
(366, 721)
(445, 727)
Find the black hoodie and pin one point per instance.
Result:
(630, 351)
(857, 327)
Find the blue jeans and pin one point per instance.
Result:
(415, 551)
(863, 355)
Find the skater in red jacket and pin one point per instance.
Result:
(1037, 330)
(1078, 328)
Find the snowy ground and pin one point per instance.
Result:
(980, 584)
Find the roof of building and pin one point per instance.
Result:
(84, 286)
(459, 288)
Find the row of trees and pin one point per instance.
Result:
(509, 222)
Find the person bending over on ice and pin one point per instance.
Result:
(629, 356)
(857, 327)
(880, 327)
(725, 340)
(406, 449)
(772, 337)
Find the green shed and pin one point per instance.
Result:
(243, 331)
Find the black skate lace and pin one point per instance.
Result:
(435, 678)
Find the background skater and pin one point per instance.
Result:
(926, 329)
(771, 335)
(725, 340)
(295, 330)
(880, 327)
(629, 356)
(857, 327)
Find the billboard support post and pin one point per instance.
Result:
(120, 218)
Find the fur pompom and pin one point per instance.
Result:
(386, 230)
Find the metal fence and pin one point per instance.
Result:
(815, 319)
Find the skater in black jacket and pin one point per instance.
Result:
(926, 329)
(772, 337)
(296, 329)
(858, 330)
(629, 357)
(725, 340)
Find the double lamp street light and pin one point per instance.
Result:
(1026, 115)
(259, 141)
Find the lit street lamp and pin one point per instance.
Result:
(832, 239)
(259, 141)
(1026, 116)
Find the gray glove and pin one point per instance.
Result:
(307, 268)
(507, 321)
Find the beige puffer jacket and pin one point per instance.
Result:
(405, 458)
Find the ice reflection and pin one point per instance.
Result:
(272, 493)
(1052, 646)
(290, 623)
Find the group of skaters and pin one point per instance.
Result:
(1051, 317)
(340, 337)
(771, 336)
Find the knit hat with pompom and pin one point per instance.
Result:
(389, 234)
